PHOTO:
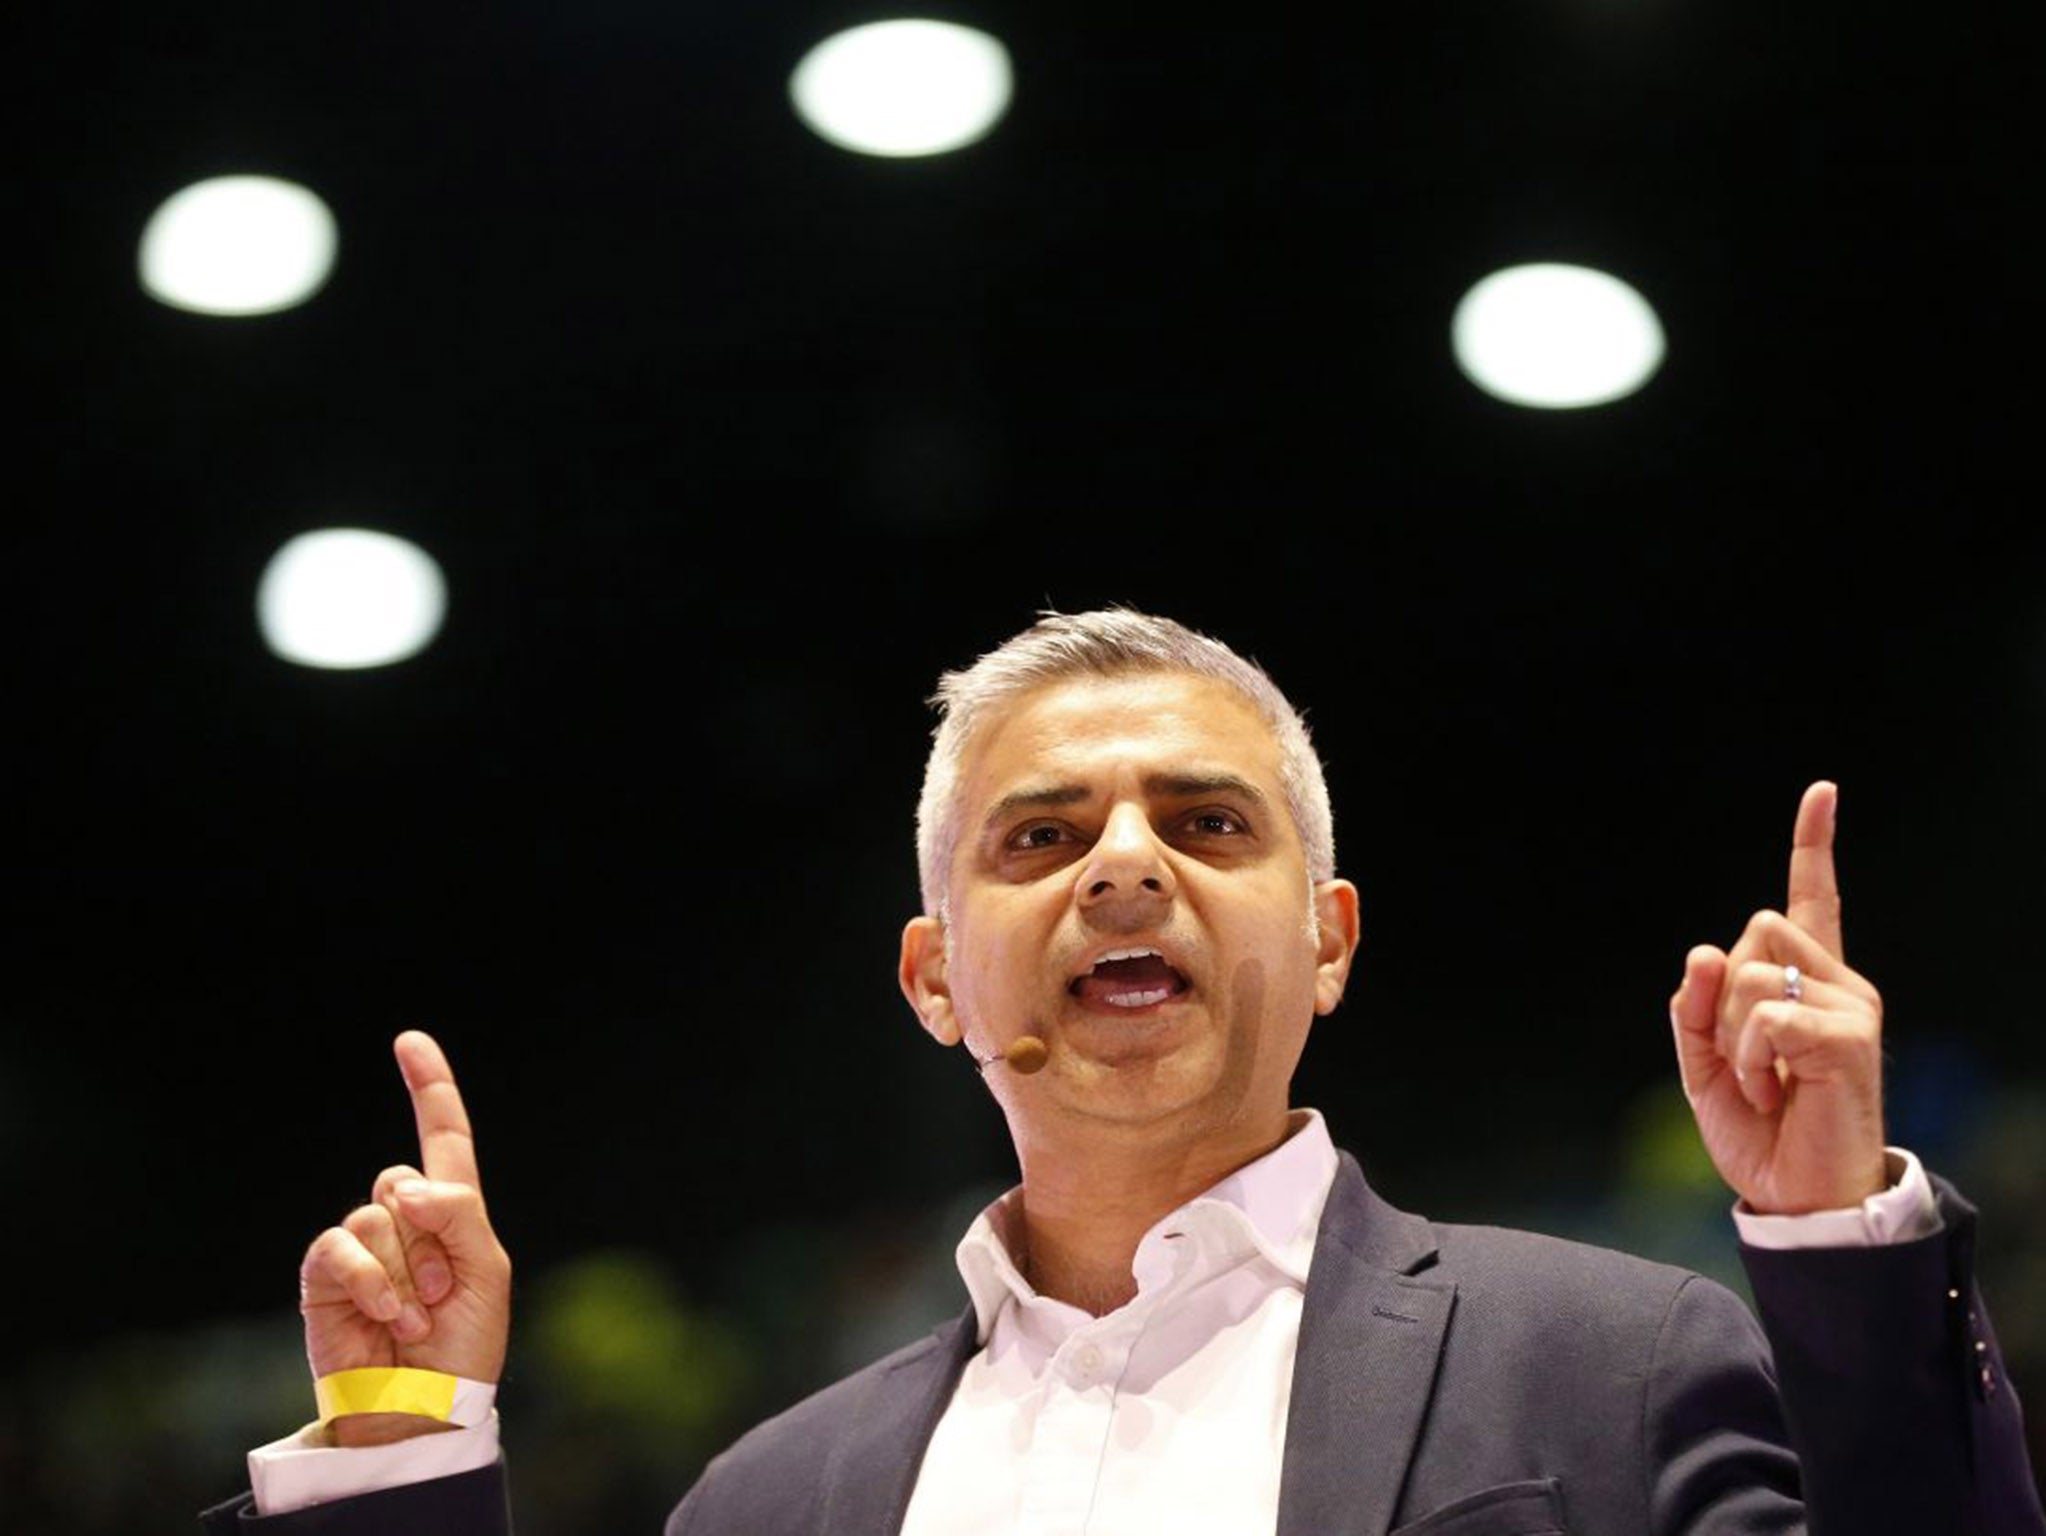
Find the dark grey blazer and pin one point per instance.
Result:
(1470, 1381)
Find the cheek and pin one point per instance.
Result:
(1286, 925)
(992, 964)
(1249, 987)
(1272, 983)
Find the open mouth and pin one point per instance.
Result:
(1137, 977)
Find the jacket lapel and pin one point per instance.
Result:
(873, 1469)
(1371, 1330)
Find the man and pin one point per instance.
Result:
(1192, 1314)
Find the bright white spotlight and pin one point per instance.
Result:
(1556, 336)
(903, 87)
(349, 597)
(237, 245)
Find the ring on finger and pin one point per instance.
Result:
(1793, 984)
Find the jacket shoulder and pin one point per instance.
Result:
(1528, 1292)
(1484, 1258)
(1505, 1277)
(780, 1474)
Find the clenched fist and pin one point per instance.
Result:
(416, 1277)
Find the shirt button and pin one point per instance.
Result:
(1089, 1360)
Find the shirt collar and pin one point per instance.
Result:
(1277, 1200)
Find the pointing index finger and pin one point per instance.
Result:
(447, 1149)
(1814, 903)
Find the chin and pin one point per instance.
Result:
(1139, 1086)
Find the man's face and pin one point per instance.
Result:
(1129, 886)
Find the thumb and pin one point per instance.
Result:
(454, 1213)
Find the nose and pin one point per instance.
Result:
(1126, 877)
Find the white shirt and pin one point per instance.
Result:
(1167, 1414)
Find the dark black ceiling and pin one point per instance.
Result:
(728, 440)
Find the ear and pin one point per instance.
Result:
(922, 975)
(1335, 912)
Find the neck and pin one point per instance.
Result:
(1088, 1201)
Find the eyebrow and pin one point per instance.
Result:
(1170, 786)
(1180, 786)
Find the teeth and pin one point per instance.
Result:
(1139, 999)
(1128, 954)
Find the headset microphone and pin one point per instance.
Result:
(1026, 1054)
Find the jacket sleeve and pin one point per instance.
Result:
(1715, 1453)
(1894, 1392)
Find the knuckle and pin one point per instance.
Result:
(367, 1221)
(392, 1176)
(460, 1201)
(322, 1252)
(1759, 976)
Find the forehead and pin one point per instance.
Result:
(1079, 729)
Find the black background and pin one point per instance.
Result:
(729, 440)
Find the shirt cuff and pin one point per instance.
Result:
(305, 1469)
(1903, 1213)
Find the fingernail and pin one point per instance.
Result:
(411, 1322)
(411, 1189)
(433, 1280)
(387, 1306)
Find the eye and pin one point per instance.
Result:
(1039, 834)
(1216, 823)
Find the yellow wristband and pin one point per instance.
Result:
(386, 1389)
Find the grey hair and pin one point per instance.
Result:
(1109, 642)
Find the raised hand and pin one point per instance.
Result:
(1787, 1089)
(415, 1277)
